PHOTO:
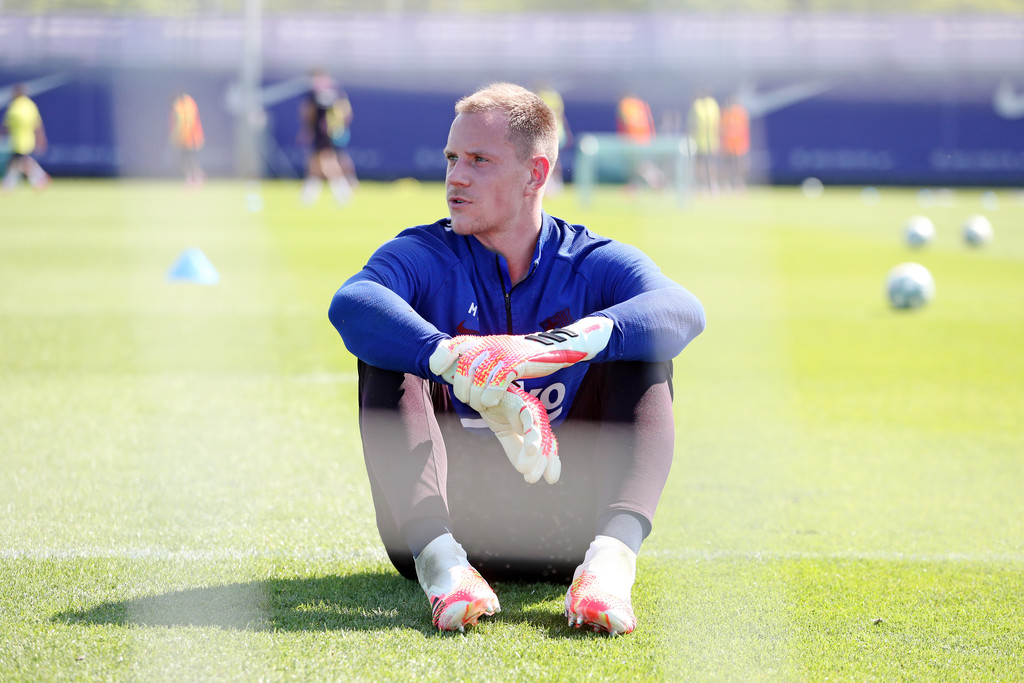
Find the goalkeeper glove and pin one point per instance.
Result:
(443, 359)
(486, 368)
(520, 420)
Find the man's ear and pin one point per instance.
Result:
(539, 172)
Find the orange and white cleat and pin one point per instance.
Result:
(600, 595)
(458, 595)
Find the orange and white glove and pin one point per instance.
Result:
(444, 359)
(485, 369)
(519, 420)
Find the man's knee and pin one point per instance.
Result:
(391, 390)
(640, 376)
(621, 390)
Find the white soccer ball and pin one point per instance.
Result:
(909, 285)
(812, 188)
(919, 231)
(977, 231)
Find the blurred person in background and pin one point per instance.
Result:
(445, 316)
(339, 124)
(704, 122)
(188, 138)
(735, 145)
(633, 118)
(326, 115)
(553, 99)
(24, 125)
(635, 122)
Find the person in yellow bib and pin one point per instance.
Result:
(553, 99)
(705, 125)
(188, 137)
(24, 125)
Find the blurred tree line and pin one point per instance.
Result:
(216, 7)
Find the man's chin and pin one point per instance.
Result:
(461, 226)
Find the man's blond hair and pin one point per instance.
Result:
(532, 127)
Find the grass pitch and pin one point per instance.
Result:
(184, 498)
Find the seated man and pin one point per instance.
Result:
(446, 322)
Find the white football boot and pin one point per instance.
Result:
(458, 594)
(601, 592)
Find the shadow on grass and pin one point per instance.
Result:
(368, 601)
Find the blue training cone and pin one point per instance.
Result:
(193, 266)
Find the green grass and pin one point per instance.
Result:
(183, 493)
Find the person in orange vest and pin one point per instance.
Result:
(635, 122)
(187, 136)
(735, 144)
(634, 119)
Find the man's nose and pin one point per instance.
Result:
(457, 174)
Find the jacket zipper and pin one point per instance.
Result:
(508, 311)
(508, 295)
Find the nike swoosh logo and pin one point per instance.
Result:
(462, 329)
(761, 104)
(1007, 102)
(35, 86)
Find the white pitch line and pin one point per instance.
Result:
(341, 555)
(872, 556)
(164, 554)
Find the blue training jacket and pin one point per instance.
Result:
(428, 284)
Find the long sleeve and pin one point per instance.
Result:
(655, 317)
(653, 326)
(382, 329)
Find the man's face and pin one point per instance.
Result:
(485, 182)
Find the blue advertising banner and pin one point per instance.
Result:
(867, 141)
